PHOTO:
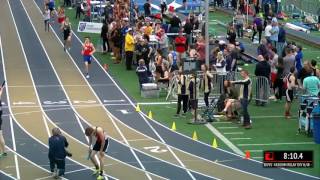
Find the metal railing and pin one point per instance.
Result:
(260, 86)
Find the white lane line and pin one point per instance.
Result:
(257, 157)
(233, 127)
(115, 125)
(36, 93)
(275, 144)
(244, 138)
(221, 122)
(224, 139)
(15, 149)
(108, 113)
(9, 175)
(228, 133)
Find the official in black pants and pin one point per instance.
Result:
(182, 94)
(129, 48)
(245, 91)
(206, 83)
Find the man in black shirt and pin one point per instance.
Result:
(263, 69)
(245, 92)
(175, 23)
(147, 8)
(188, 27)
(144, 51)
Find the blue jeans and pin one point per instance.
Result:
(246, 116)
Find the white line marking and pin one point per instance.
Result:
(224, 139)
(136, 140)
(46, 125)
(11, 125)
(233, 127)
(68, 85)
(9, 175)
(147, 173)
(240, 138)
(228, 133)
(275, 144)
(35, 91)
(15, 149)
(156, 103)
(221, 122)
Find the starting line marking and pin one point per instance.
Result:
(255, 150)
(274, 144)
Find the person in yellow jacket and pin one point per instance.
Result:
(129, 48)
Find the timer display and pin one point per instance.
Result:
(300, 159)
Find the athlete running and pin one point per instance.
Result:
(46, 16)
(100, 146)
(87, 52)
(66, 28)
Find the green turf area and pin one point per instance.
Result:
(265, 130)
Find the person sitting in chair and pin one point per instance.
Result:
(231, 96)
(142, 72)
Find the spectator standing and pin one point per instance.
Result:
(57, 153)
(267, 31)
(173, 59)
(257, 28)
(263, 48)
(175, 24)
(290, 81)
(188, 27)
(263, 69)
(239, 20)
(231, 35)
(206, 83)
(278, 84)
(221, 64)
(299, 59)
(316, 71)
(2, 142)
(281, 39)
(163, 42)
(182, 94)
(232, 58)
(147, 8)
(79, 9)
(244, 95)
(306, 71)
(104, 37)
(274, 33)
(201, 50)
(288, 61)
(311, 85)
(116, 43)
(144, 51)
(129, 48)
(163, 6)
(180, 43)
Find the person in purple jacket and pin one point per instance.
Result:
(257, 27)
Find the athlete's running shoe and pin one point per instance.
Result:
(87, 76)
(96, 172)
(100, 177)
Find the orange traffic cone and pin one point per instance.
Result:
(247, 155)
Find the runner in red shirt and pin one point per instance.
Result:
(87, 52)
(180, 43)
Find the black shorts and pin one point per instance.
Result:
(289, 95)
(97, 146)
(66, 34)
(194, 104)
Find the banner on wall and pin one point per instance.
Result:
(89, 27)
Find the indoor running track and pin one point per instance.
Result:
(46, 88)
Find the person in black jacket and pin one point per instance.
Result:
(142, 72)
(57, 152)
(104, 37)
(263, 69)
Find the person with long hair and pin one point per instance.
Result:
(66, 28)
(87, 52)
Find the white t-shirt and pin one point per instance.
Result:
(46, 14)
(267, 31)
